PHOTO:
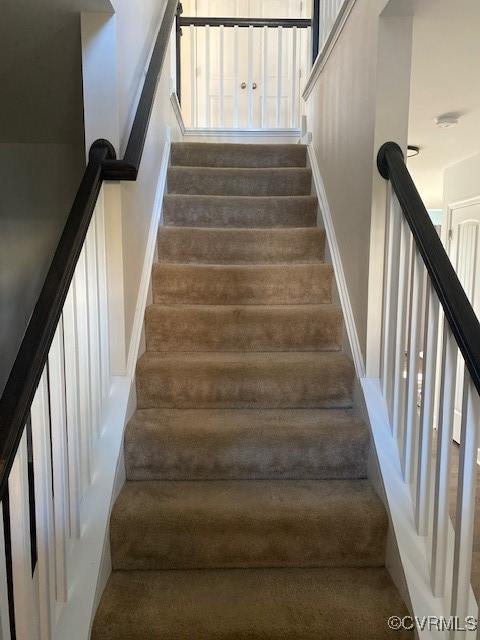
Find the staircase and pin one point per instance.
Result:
(247, 513)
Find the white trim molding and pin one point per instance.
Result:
(242, 133)
(328, 47)
(177, 110)
(336, 258)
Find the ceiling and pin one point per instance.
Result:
(445, 80)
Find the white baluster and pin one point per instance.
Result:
(26, 618)
(294, 96)
(59, 460)
(193, 74)
(73, 408)
(400, 336)
(42, 466)
(236, 66)
(424, 478)
(411, 422)
(103, 300)
(442, 472)
(250, 77)
(81, 305)
(279, 75)
(93, 327)
(265, 79)
(207, 75)
(466, 494)
(390, 300)
(222, 77)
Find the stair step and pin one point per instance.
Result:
(198, 154)
(250, 604)
(239, 246)
(239, 182)
(239, 211)
(242, 284)
(244, 328)
(247, 524)
(244, 380)
(222, 444)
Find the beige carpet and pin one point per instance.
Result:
(247, 512)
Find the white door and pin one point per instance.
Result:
(464, 250)
(230, 75)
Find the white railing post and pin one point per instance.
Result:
(279, 75)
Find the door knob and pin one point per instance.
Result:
(244, 85)
(254, 86)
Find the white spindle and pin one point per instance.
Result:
(294, 92)
(442, 472)
(466, 494)
(72, 407)
(279, 75)
(26, 618)
(207, 75)
(236, 79)
(81, 305)
(221, 65)
(424, 478)
(193, 74)
(390, 299)
(399, 368)
(265, 78)
(102, 299)
(93, 327)
(4, 610)
(42, 467)
(411, 421)
(250, 77)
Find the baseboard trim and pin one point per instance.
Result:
(177, 110)
(146, 276)
(327, 48)
(336, 257)
(242, 133)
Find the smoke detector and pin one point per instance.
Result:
(446, 122)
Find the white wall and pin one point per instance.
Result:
(116, 51)
(462, 181)
(359, 101)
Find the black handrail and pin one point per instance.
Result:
(32, 356)
(274, 23)
(459, 312)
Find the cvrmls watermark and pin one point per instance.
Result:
(432, 623)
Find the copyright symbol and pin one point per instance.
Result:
(394, 623)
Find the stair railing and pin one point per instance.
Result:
(210, 44)
(428, 325)
(52, 407)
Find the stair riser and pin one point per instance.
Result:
(241, 155)
(224, 328)
(275, 284)
(282, 453)
(225, 529)
(239, 182)
(238, 246)
(266, 383)
(235, 212)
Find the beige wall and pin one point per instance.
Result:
(359, 101)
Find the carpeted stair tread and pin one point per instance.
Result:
(242, 284)
(247, 524)
(198, 154)
(239, 182)
(238, 246)
(239, 211)
(190, 328)
(250, 604)
(244, 380)
(223, 444)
